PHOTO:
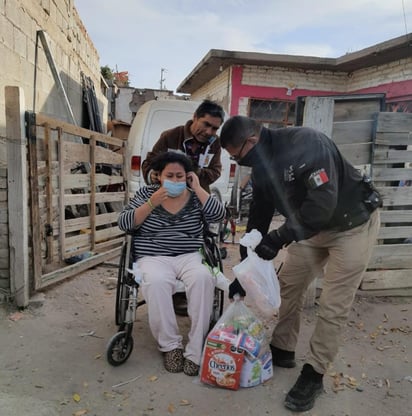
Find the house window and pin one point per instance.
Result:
(400, 106)
(272, 114)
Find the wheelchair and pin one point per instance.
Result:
(120, 345)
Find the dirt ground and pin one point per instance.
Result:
(52, 361)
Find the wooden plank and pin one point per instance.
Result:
(74, 269)
(81, 199)
(93, 192)
(391, 256)
(76, 152)
(352, 110)
(391, 174)
(357, 154)
(61, 194)
(392, 156)
(110, 233)
(394, 139)
(395, 232)
(17, 207)
(394, 122)
(387, 292)
(35, 215)
(386, 279)
(100, 247)
(108, 156)
(350, 132)
(82, 180)
(41, 119)
(81, 223)
(49, 196)
(396, 216)
(318, 114)
(81, 242)
(395, 196)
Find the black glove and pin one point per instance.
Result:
(236, 287)
(270, 245)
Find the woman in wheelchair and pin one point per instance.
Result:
(167, 222)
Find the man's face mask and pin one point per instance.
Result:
(174, 189)
(251, 158)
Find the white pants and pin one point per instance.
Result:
(160, 274)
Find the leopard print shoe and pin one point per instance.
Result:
(173, 360)
(190, 368)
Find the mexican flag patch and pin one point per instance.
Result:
(318, 178)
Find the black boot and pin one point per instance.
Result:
(308, 386)
(283, 358)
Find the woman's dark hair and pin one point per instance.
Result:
(160, 161)
(211, 108)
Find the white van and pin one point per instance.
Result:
(152, 118)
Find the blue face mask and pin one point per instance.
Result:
(174, 189)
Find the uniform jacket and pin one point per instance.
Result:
(177, 139)
(301, 173)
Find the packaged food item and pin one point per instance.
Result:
(251, 372)
(267, 367)
(222, 364)
(235, 354)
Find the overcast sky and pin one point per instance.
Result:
(143, 36)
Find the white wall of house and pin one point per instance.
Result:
(218, 89)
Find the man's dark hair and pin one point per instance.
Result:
(163, 159)
(211, 108)
(237, 129)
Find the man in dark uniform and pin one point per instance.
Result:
(331, 224)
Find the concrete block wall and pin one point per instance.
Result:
(216, 89)
(341, 82)
(396, 71)
(72, 50)
(264, 76)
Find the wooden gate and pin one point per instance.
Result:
(378, 143)
(77, 188)
(391, 263)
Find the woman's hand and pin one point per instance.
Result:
(159, 196)
(193, 181)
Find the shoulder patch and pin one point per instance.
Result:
(318, 178)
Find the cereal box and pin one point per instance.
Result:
(222, 364)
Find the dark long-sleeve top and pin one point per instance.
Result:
(179, 138)
(166, 234)
(301, 173)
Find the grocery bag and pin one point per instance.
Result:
(234, 353)
(258, 278)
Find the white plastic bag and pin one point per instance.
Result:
(258, 278)
(235, 354)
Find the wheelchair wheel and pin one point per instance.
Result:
(122, 290)
(119, 348)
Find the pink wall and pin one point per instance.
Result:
(394, 91)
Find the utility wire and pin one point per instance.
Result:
(404, 17)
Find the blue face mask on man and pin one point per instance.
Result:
(174, 189)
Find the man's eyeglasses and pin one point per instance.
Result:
(237, 157)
